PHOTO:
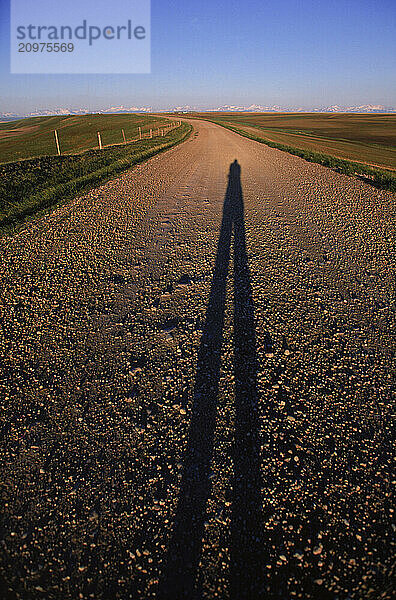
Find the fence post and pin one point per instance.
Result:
(123, 135)
(151, 133)
(162, 133)
(140, 133)
(100, 141)
(57, 141)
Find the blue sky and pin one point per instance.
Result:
(293, 53)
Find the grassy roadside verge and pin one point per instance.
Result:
(380, 178)
(30, 186)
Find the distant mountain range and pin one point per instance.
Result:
(62, 112)
(364, 108)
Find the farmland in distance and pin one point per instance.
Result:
(369, 139)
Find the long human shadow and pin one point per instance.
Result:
(180, 572)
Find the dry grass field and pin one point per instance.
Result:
(28, 138)
(29, 186)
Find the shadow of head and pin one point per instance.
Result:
(235, 169)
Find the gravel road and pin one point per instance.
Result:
(196, 384)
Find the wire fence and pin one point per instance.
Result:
(151, 133)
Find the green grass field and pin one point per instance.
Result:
(369, 139)
(27, 187)
(28, 138)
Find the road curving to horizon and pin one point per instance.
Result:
(196, 383)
